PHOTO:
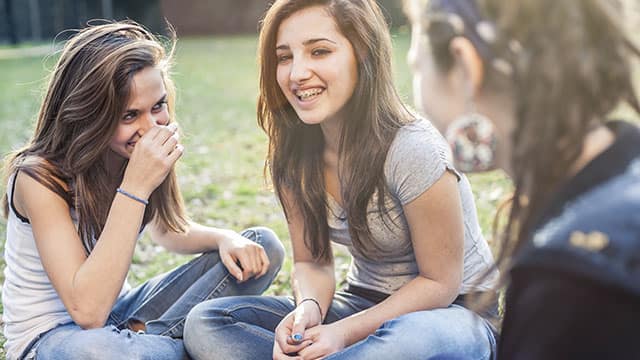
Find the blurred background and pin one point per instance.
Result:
(216, 75)
(37, 20)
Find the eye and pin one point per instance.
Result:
(320, 52)
(283, 58)
(129, 116)
(159, 106)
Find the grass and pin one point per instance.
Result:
(221, 171)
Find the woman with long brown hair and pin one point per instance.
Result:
(98, 170)
(351, 165)
(528, 86)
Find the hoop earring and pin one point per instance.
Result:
(473, 141)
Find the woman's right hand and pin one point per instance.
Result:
(290, 332)
(153, 156)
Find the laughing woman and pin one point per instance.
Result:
(351, 165)
(97, 172)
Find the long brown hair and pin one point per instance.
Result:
(87, 92)
(570, 67)
(374, 113)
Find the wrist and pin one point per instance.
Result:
(137, 191)
(342, 329)
(313, 307)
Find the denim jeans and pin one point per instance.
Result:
(162, 304)
(243, 328)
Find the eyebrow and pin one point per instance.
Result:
(162, 98)
(306, 43)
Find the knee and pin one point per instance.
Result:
(271, 244)
(202, 328)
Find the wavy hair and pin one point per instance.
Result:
(375, 113)
(570, 67)
(88, 91)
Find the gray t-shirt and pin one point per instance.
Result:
(417, 158)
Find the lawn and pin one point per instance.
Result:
(221, 172)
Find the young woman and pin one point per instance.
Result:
(351, 165)
(97, 172)
(527, 86)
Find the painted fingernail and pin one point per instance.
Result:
(297, 337)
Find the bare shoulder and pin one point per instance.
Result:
(33, 192)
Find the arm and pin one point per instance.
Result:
(310, 279)
(85, 288)
(89, 285)
(437, 233)
(242, 257)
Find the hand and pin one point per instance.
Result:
(242, 257)
(291, 334)
(324, 341)
(153, 156)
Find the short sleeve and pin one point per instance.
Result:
(417, 158)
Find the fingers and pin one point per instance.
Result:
(233, 268)
(171, 144)
(162, 133)
(264, 260)
(283, 337)
(278, 354)
(313, 351)
(176, 154)
(253, 260)
(246, 264)
(298, 328)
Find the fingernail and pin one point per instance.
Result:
(297, 337)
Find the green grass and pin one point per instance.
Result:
(221, 170)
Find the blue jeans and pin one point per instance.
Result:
(162, 304)
(243, 328)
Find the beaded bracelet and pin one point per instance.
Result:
(315, 302)
(131, 196)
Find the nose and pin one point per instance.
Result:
(146, 122)
(300, 70)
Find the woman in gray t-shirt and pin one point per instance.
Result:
(351, 165)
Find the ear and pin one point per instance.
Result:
(467, 57)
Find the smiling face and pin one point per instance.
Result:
(317, 69)
(147, 107)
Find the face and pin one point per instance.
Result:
(147, 107)
(317, 69)
(435, 93)
(447, 98)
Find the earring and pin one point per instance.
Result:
(473, 142)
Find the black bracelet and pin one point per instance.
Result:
(131, 196)
(317, 304)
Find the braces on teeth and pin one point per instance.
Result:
(308, 93)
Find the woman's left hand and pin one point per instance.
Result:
(242, 257)
(325, 340)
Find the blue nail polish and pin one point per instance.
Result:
(297, 337)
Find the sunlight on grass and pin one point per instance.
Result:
(221, 172)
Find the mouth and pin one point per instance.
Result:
(308, 94)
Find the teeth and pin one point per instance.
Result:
(305, 94)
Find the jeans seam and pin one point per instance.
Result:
(229, 310)
(188, 267)
(251, 234)
(250, 328)
(221, 286)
